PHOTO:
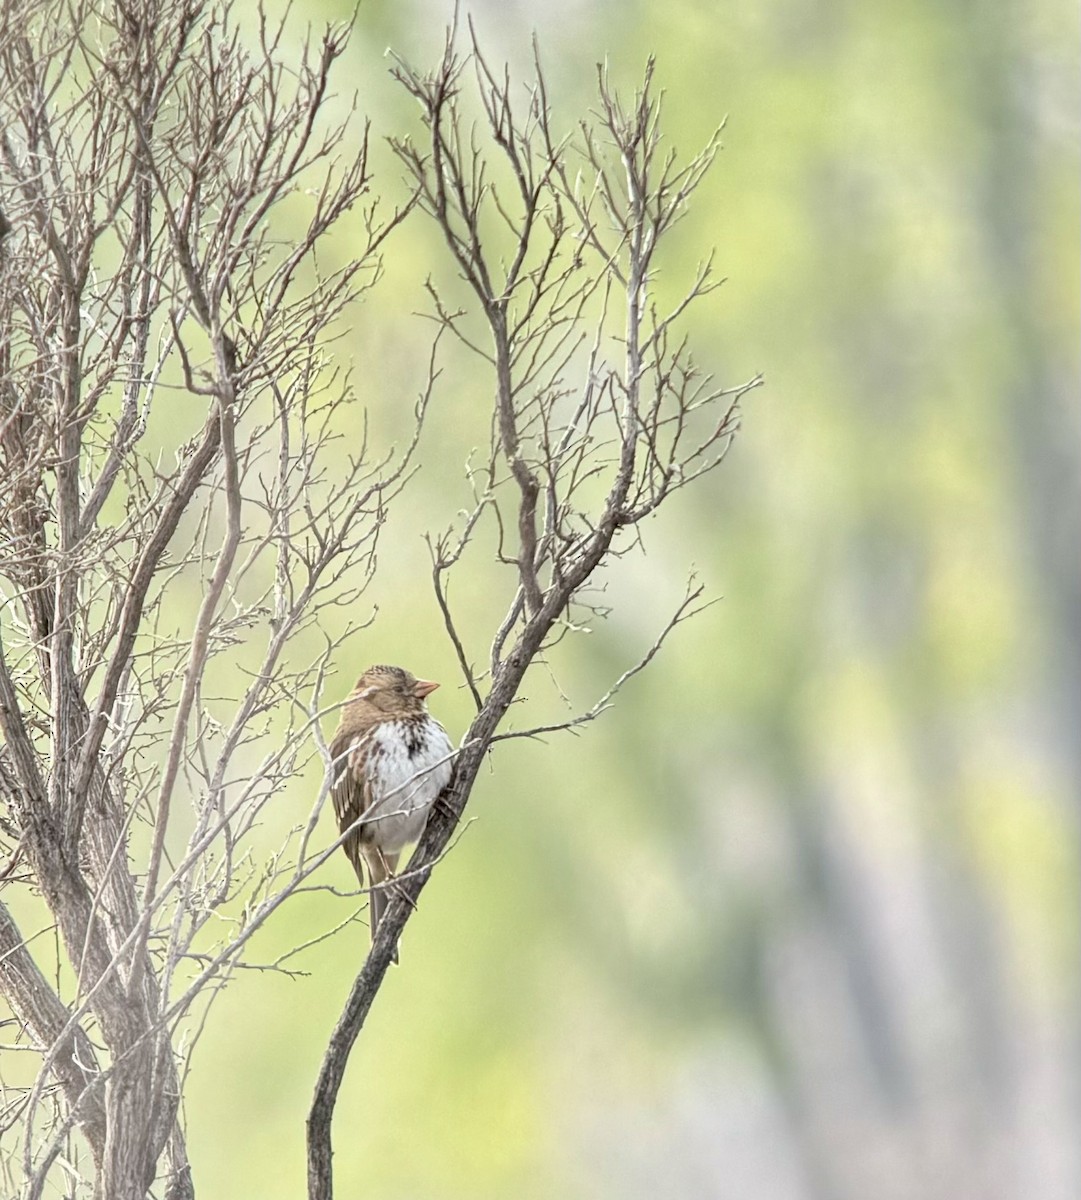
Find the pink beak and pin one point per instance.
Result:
(423, 687)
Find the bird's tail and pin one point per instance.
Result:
(380, 870)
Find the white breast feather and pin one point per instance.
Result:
(404, 788)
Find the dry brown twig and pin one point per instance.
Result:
(169, 422)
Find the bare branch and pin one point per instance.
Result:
(688, 608)
(586, 460)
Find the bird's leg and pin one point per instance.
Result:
(390, 865)
(444, 806)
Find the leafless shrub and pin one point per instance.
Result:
(166, 403)
(557, 240)
(168, 413)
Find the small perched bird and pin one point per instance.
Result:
(390, 759)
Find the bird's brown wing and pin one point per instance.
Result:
(351, 791)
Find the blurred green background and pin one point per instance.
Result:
(798, 920)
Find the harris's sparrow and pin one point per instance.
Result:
(390, 760)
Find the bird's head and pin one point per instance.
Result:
(392, 690)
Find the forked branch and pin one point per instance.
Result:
(590, 445)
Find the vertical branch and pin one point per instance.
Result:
(41, 1011)
(138, 250)
(537, 317)
(452, 187)
(200, 637)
